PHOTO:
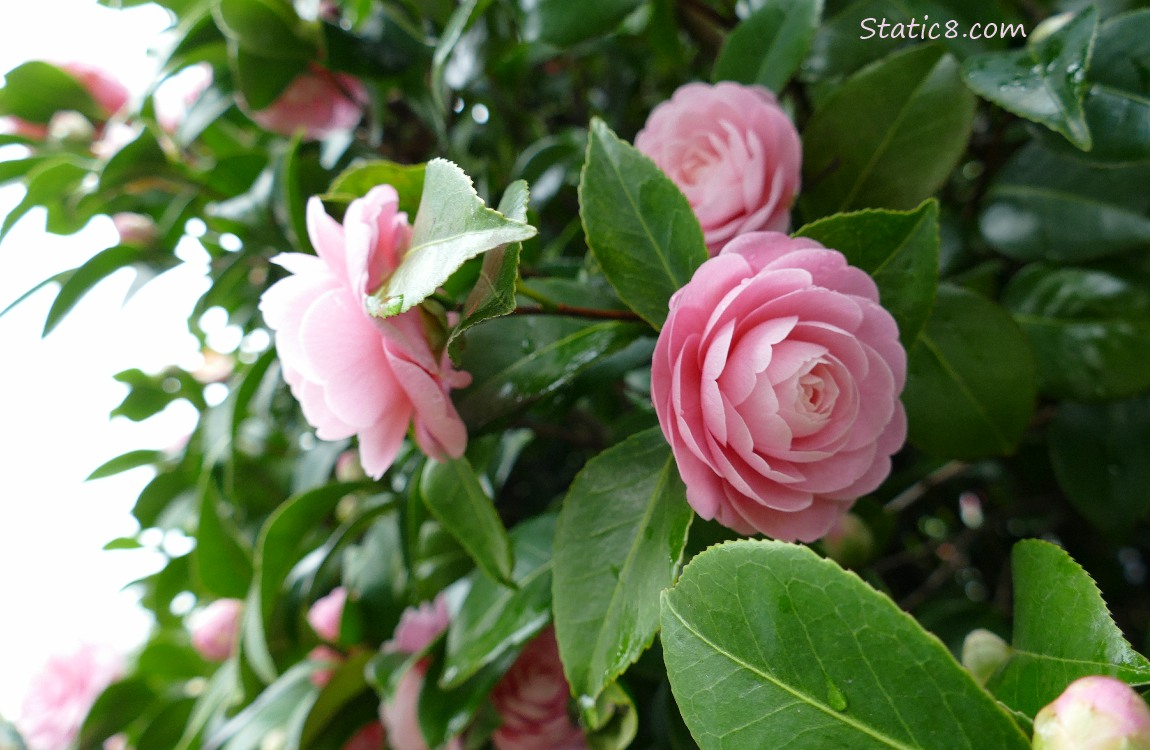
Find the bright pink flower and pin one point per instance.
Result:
(319, 102)
(326, 614)
(776, 380)
(135, 229)
(62, 693)
(532, 700)
(368, 738)
(418, 627)
(354, 374)
(216, 628)
(732, 151)
(1094, 713)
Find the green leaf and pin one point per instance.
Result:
(1042, 206)
(898, 249)
(52, 184)
(142, 159)
(1062, 631)
(267, 28)
(262, 79)
(767, 47)
(518, 360)
(1089, 328)
(37, 90)
(619, 542)
(222, 689)
(563, 23)
(222, 561)
(81, 280)
(107, 717)
(639, 226)
(453, 225)
(445, 712)
(451, 491)
(358, 179)
(970, 386)
(1046, 81)
(765, 643)
(1099, 456)
(284, 703)
(495, 618)
(125, 462)
(888, 137)
(346, 683)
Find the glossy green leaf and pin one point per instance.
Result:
(222, 561)
(1062, 631)
(451, 491)
(564, 23)
(898, 249)
(1046, 81)
(971, 381)
(36, 90)
(262, 79)
(1042, 206)
(1099, 456)
(839, 48)
(82, 279)
(452, 226)
(888, 137)
(639, 226)
(767, 47)
(284, 703)
(765, 642)
(616, 720)
(495, 618)
(619, 542)
(142, 159)
(52, 184)
(358, 179)
(105, 717)
(1089, 328)
(125, 462)
(14, 169)
(268, 28)
(445, 712)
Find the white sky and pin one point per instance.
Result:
(57, 586)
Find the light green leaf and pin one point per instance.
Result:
(355, 182)
(279, 708)
(1062, 631)
(81, 280)
(37, 90)
(619, 542)
(125, 462)
(765, 643)
(452, 226)
(451, 491)
(639, 226)
(767, 47)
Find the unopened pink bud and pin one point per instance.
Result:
(135, 229)
(326, 615)
(1094, 713)
(215, 629)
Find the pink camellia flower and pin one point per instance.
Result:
(418, 627)
(532, 701)
(776, 380)
(326, 615)
(732, 151)
(369, 738)
(354, 374)
(318, 101)
(1094, 713)
(135, 229)
(61, 694)
(215, 629)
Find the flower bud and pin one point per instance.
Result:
(983, 652)
(1094, 713)
(137, 230)
(326, 615)
(849, 542)
(215, 629)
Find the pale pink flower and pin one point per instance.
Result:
(327, 659)
(1094, 713)
(215, 628)
(318, 102)
(532, 700)
(61, 694)
(418, 627)
(135, 229)
(326, 615)
(369, 738)
(732, 151)
(354, 374)
(776, 379)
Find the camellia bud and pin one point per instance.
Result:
(849, 542)
(1094, 713)
(983, 652)
(135, 229)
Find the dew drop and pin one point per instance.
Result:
(835, 697)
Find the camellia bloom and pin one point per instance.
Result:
(354, 374)
(418, 627)
(776, 380)
(326, 615)
(317, 101)
(61, 694)
(532, 701)
(215, 629)
(1094, 713)
(732, 151)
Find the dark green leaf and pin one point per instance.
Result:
(81, 280)
(1062, 631)
(564, 23)
(125, 462)
(285, 702)
(1099, 454)
(446, 712)
(898, 249)
(451, 491)
(262, 79)
(639, 226)
(970, 386)
(268, 28)
(358, 179)
(888, 137)
(142, 159)
(347, 681)
(37, 90)
(1047, 207)
(765, 643)
(1046, 81)
(107, 717)
(222, 560)
(495, 618)
(767, 47)
(1089, 328)
(619, 542)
